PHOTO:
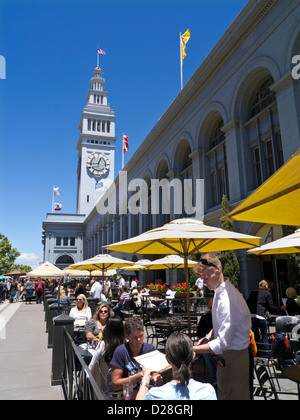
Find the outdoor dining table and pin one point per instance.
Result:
(293, 373)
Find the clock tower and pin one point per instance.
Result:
(96, 146)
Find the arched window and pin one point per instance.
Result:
(263, 97)
(217, 136)
(263, 132)
(218, 163)
(64, 260)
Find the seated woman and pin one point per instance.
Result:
(124, 300)
(97, 324)
(81, 314)
(292, 307)
(180, 355)
(63, 298)
(113, 336)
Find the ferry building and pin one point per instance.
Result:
(234, 123)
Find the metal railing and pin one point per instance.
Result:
(77, 380)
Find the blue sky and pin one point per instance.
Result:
(50, 49)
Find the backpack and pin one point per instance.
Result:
(282, 351)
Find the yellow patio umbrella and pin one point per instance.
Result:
(100, 262)
(287, 245)
(83, 273)
(185, 237)
(277, 200)
(139, 266)
(172, 262)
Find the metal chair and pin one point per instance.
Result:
(162, 332)
(285, 324)
(266, 385)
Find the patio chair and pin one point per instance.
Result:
(162, 332)
(266, 387)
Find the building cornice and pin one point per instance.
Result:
(239, 30)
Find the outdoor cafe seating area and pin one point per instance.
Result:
(269, 379)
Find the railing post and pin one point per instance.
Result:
(47, 304)
(59, 323)
(54, 310)
(92, 302)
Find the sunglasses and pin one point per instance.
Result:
(207, 263)
(79, 300)
(103, 312)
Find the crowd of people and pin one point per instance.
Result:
(226, 341)
(25, 289)
(227, 334)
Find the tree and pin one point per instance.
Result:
(230, 263)
(8, 255)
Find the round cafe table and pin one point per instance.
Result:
(293, 373)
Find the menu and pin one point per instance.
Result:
(155, 360)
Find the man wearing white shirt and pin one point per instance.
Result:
(199, 285)
(96, 290)
(122, 282)
(229, 338)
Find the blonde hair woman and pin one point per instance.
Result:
(81, 312)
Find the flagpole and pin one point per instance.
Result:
(53, 199)
(180, 44)
(97, 57)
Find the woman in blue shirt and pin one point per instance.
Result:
(180, 355)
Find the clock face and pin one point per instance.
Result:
(98, 164)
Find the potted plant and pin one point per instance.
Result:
(156, 289)
(181, 290)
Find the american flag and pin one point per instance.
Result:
(101, 51)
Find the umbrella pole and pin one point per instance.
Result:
(276, 281)
(188, 293)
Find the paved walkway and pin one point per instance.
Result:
(25, 360)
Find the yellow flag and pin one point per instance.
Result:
(184, 39)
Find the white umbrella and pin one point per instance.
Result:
(46, 270)
(287, 245)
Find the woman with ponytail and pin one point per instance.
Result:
(180, 355)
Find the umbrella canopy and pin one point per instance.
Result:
(46, 270)
(140, 265)
(170, 261)
(100, 262)
(277, 200)
(185, 237)
(83, 273)
(287, 245)
(16, 273)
